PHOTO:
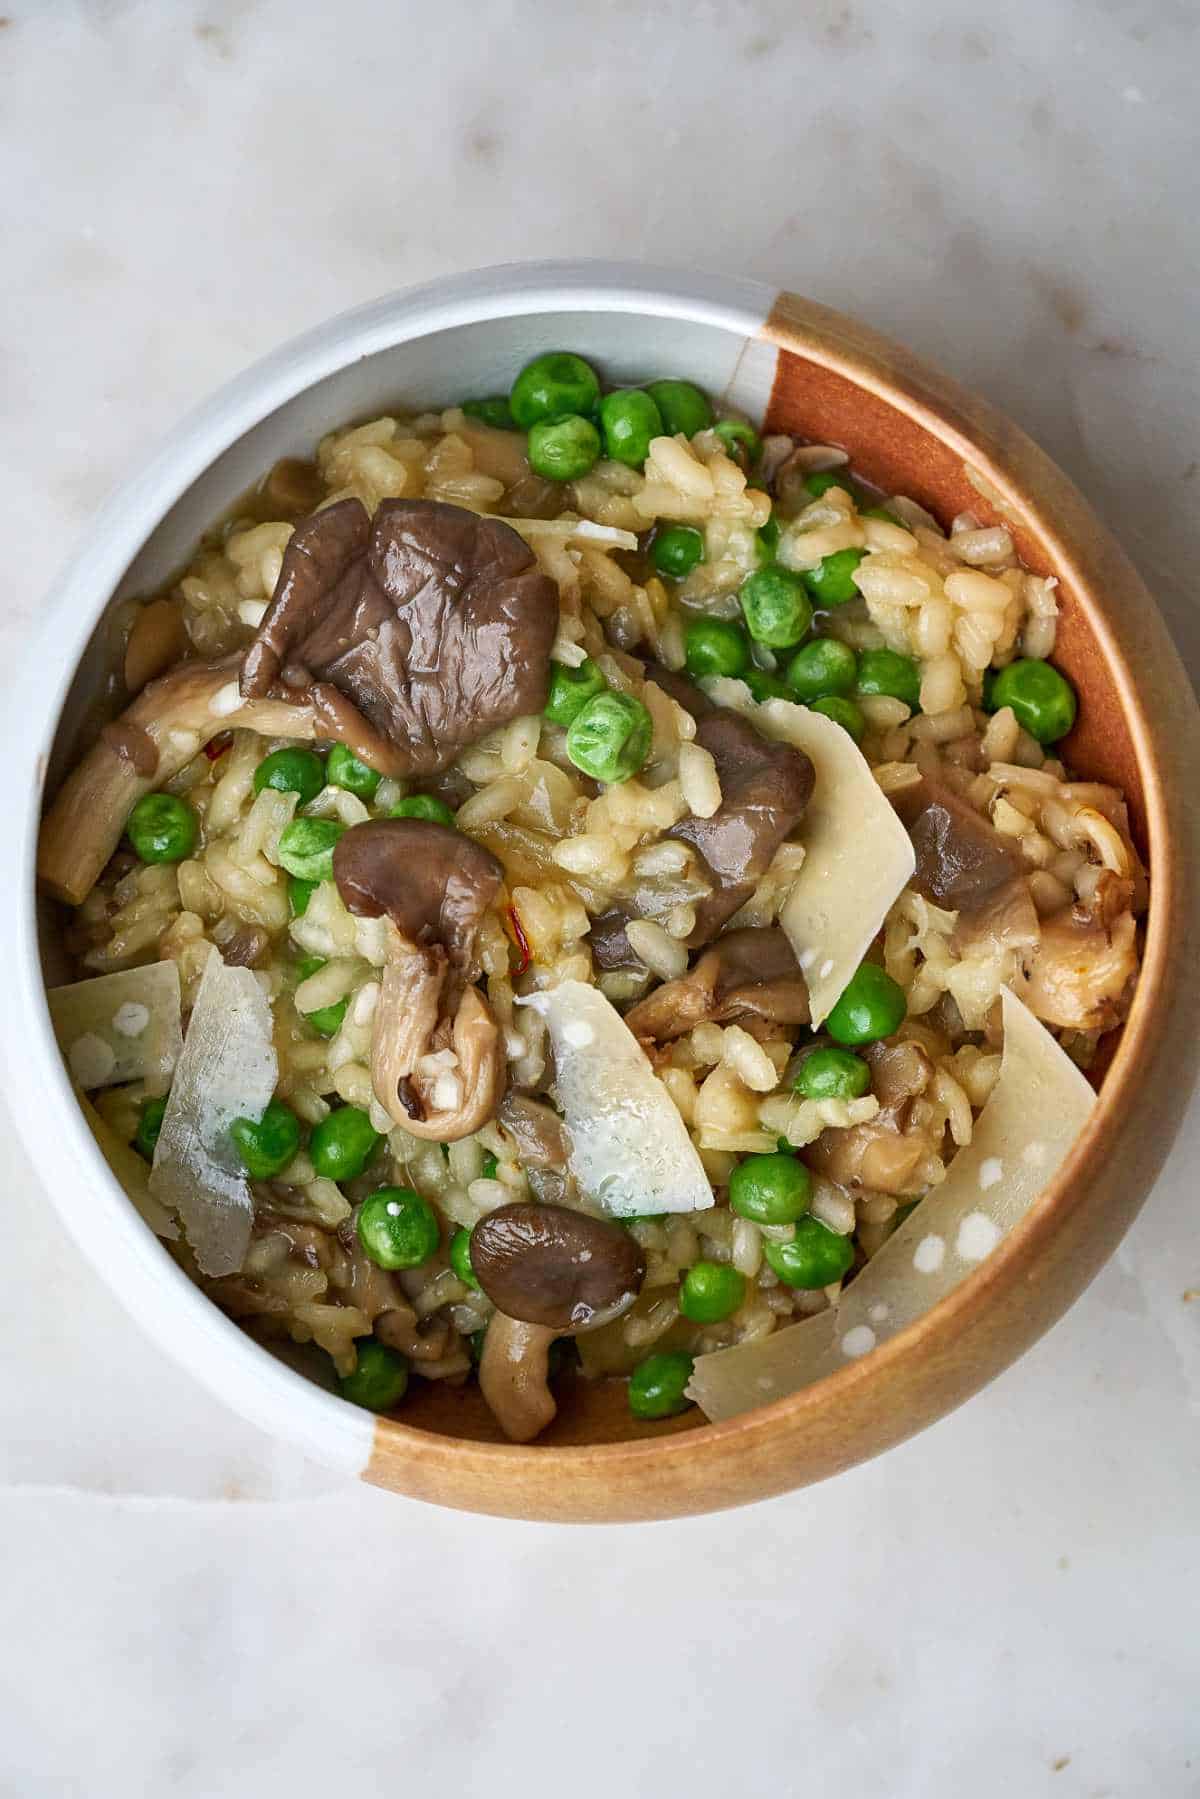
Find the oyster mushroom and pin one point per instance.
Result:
(168, 723)
(437, 1057)
(748, 977)
(765, 788)
(412, 634)
(551, 1272)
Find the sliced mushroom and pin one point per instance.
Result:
(412, 634)
(437, 1057)
(168, 723)
(550, 1272)
(748, 977)
(765, 788)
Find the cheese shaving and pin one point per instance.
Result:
(630, 1149)
(120, 1027)
(857, 855)
(227, 1070)
(1037, 1109)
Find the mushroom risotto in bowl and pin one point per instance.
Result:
(594, 872)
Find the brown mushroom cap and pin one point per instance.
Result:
(413, 633)
(434, 883)
(549, 1265)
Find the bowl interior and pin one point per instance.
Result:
(893, 445)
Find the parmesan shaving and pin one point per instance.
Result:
(857, 855)
(227, 1070)
(1037, 1109)
(630, 1149)
(120, 1027)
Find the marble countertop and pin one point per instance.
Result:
(1007, 1604)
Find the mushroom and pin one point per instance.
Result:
(884, 1154)
(748, 977)
(966, 865)
(168, 723)
(765, 788)
(1081, 976)
(437, 1057)
(551, 1272)
(412, 634)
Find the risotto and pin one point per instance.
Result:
(581, 890)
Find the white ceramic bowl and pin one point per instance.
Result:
(434, 344)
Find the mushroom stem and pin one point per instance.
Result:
(168, 723)
(406, 1029)
(514, 1376)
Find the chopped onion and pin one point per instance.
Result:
(227, 1070)
(1037, 1109)
(120, 1027)
(630, 1149)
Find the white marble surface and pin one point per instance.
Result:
(1006, 1605)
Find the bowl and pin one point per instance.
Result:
(907, 428)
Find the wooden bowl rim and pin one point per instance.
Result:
(1028, 482)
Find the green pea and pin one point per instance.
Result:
(150, 1117)
(832, 582)
(563, 449)
(764, 686)
(843, 712)
(889, 518)
(832, 1073)
(398, 1229)
(716, 646)
(774, 1189)
(1042, 700)
(306, 847)
(424, 805)
(775, 607)
(814, 1258)
(162, 828)
(343, 1143)
(299, 893)
(610, 738)
(677, 550)
(767, 537)
(657, 1386)
(887, 673)
(327, 1020)
(710, 1292)
(460, 1258)
(490, 1165)
(379, 1381)
(571, 689)
(291, 771)
(266, 1145)
(822, 667)
(494, 411)
(551, 385)
(683, 407)
(818, 481)
(871, 1006)
(343, 769)
(741, 441)
(629, 419)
